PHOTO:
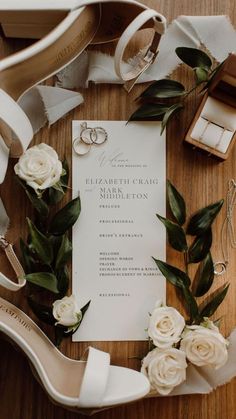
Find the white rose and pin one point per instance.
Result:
(165, 369)
(165, 326)
(205, 345)
(66, 311)
(39, 167)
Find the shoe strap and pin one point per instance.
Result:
(95, 379)
(16, 265)
(144, 60)
(4, 158)
(15, 119)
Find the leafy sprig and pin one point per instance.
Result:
(198, 251)
(48, 249)
(165, 97)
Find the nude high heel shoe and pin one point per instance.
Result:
(72, 25)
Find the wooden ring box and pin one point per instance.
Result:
(213, 128)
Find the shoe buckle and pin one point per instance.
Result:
(145, 61)
(150, 56)
(153, 51)
(4, 243)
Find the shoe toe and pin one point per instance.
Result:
(125, 385)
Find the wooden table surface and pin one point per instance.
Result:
(200, 179)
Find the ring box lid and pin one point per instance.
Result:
(223, 85)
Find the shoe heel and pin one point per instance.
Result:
(29, 24)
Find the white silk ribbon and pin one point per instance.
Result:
(46, 104)
(43, 105)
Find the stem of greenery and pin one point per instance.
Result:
(199, 228)
(153, 103)
(186, 262)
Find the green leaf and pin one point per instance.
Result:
(191, 303)
(174, 275)
(56, 244)
(169, 113)
(203, 219)
(26, 257)
(62, 280)
(66, 172)
(85, 308)
(149, 111)
(40, 243)
(200, 247)
(59, 335)
(201, 75)
(38, 203)
(44, 280)
(43, 312)
(215, 300)
(56, 193)
(180, 280)
(58, 187)
(194, 57)
(64, 253)
(66, 217)
(164, 88)
(204, 276)
(72, 329)
(212, 75)
(176, 203)
(175, 233)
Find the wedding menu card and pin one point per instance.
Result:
(122, 187)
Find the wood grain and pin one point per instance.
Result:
(200, 179)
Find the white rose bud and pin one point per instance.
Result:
(165, 326)
(205, 345)
(165, 369)
(39, 167)
(66, 311)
